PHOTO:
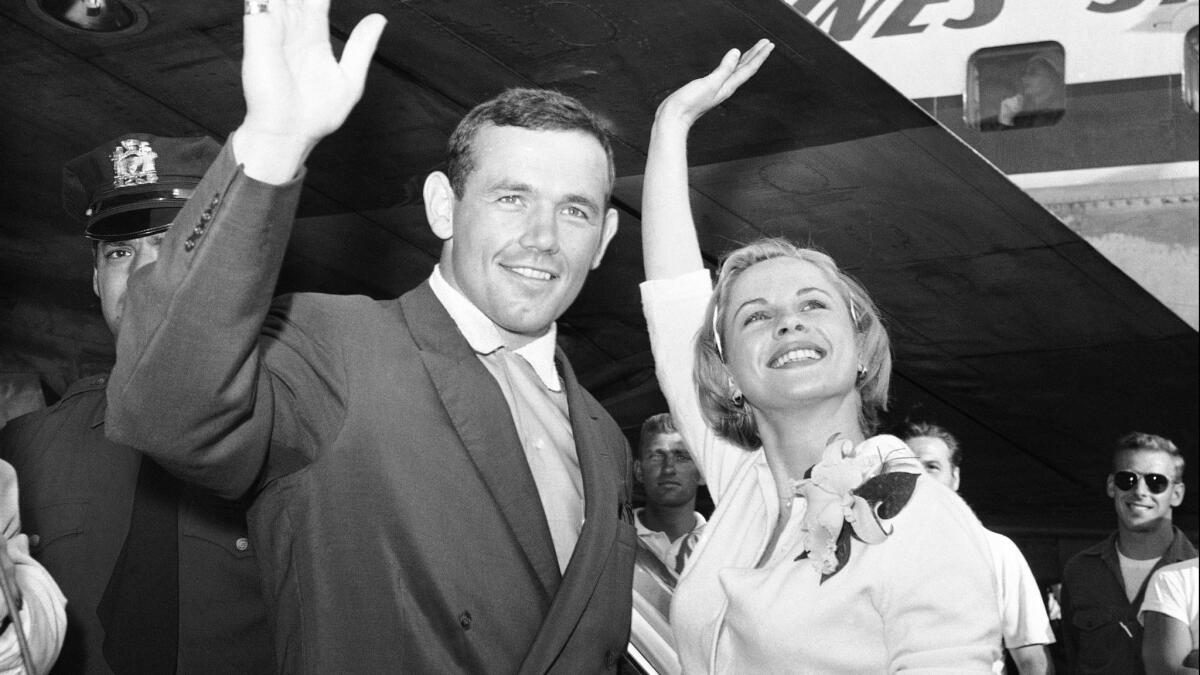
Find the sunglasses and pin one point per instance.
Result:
(1156, 483)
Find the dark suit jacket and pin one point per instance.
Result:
(77, 491)
(398, 523)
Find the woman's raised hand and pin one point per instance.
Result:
(699, 96)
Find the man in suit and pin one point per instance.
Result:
(433, 490)
(159, 576)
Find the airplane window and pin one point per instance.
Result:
(1015, 87)
(1191, 67)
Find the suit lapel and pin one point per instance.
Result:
(600, 488)
(483, 421)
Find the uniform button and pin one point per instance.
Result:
(189, 244)
(102, 379)
(34, 539)
(215, 200)
(197, 230)
(206, 216)
(242, 543)
(464, 620)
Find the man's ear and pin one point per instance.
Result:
(610, 230)
(637, 470)
(95, 280)
(1109, 487)
(957, 477)
(1177, 491)
(439, 204)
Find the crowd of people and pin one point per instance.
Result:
(318, 483)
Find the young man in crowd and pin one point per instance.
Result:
(668, 525)
(1103, 586)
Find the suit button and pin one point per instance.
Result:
(611, 658)
(34, 539)
(242, 544)
(464, 620)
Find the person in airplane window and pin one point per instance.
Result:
(36, 598)
(1171, 616)
(1104, 585)
(433, 489)
(1040, 99)
(829, 549)
(1026, 626)
(158, 574)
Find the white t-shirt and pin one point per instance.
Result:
(1024, 617)
(1174, 591)
(1135, 572)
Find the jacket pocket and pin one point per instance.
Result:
(54, 523)
(221, 524)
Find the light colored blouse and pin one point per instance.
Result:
(922, 600)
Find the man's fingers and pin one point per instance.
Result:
(361, 46)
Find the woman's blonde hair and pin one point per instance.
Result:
(732, 419)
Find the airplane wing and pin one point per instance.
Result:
(1008, 328)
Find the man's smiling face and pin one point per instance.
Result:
(1139, 509)
(531, 222)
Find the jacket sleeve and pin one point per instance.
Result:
(42, 615)
(189, 386)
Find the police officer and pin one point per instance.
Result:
(159, 577)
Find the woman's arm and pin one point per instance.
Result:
(676, 293)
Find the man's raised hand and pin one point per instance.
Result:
(296, 91)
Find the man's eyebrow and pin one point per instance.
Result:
(509, 185)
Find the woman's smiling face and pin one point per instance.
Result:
(789, 335)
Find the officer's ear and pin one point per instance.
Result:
(439, 205)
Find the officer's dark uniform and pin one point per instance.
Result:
(183, 593)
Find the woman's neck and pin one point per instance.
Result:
(795, 438)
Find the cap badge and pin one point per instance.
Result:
(133, 163)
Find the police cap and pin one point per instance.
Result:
(133, 185)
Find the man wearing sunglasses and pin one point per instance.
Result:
(1103, 585)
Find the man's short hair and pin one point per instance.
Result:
(534, 109)
(931, 430)
(655, 426)
(1135, 441)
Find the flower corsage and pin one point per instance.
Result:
(859, 486)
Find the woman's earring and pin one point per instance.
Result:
(862, 370)
(735, 394)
